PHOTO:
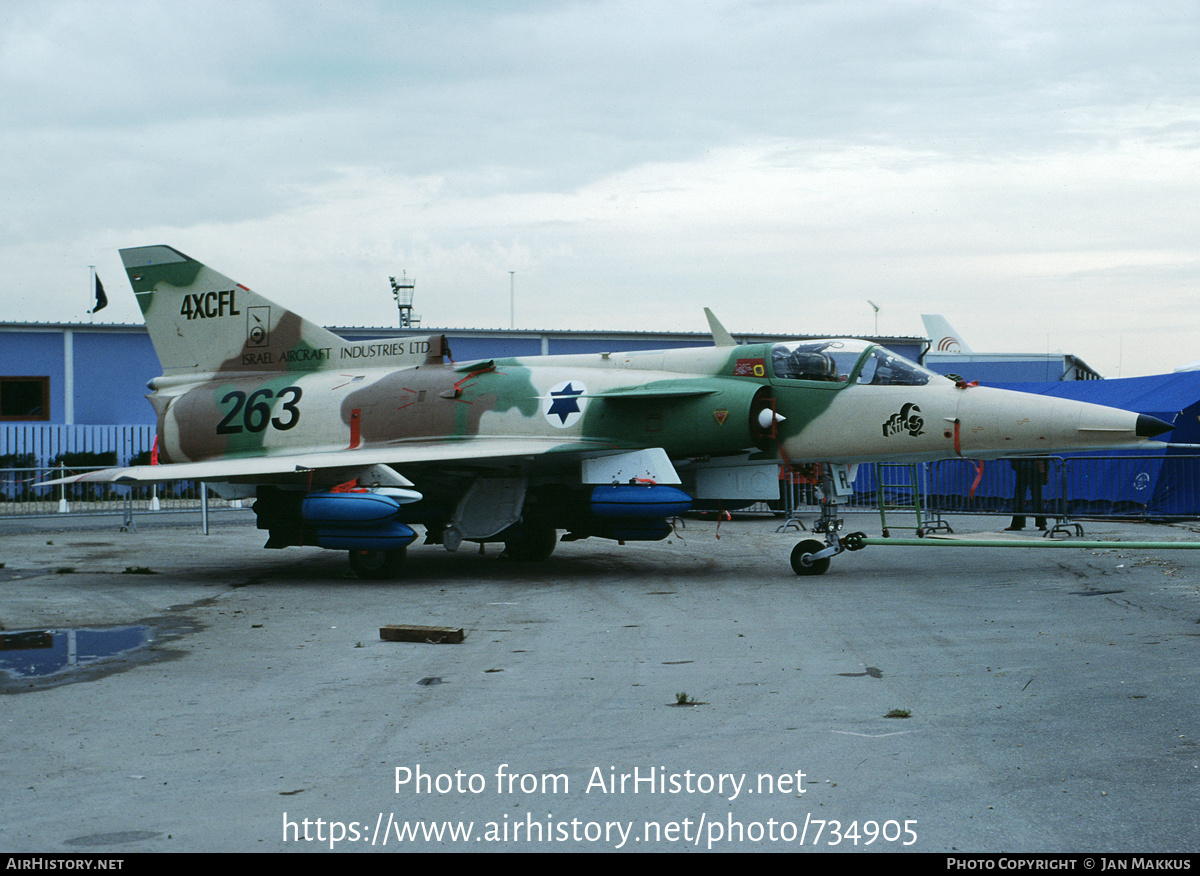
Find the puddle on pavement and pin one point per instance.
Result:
(39, 653)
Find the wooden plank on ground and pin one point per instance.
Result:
(418, 633)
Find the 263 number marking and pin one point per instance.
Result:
(254, 411)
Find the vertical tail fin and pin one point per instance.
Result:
(201, 321)
(943, 336)
(721, 337)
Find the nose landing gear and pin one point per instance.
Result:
(812, 556)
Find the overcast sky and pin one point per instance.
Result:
(1029, 170)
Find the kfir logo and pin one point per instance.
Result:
(905, 420)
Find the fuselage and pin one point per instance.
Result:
(825, 401)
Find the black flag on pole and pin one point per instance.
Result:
(101, 298)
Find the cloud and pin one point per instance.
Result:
(630, 161)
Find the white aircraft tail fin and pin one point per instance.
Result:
(943, 336)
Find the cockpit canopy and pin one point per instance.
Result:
(840, 360)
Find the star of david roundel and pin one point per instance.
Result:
(564, 405)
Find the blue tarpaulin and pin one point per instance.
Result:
(1103, 483)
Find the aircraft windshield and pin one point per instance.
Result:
(833, 361)
(885, 368)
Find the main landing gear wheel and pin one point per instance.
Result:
(530, 542)
(378, 565)
(802, 562)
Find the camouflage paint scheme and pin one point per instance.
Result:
(252, 394)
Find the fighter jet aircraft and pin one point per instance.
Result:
(347, 445)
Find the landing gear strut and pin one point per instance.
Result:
(812, 556)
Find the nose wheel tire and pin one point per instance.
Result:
(802, 562)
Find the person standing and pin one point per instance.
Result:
(1032, 474)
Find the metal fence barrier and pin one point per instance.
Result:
(30, 444)
(1119, 486)
(1129, 486)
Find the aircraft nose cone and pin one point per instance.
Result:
(1150, 427)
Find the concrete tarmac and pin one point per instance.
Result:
(1051, 696)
